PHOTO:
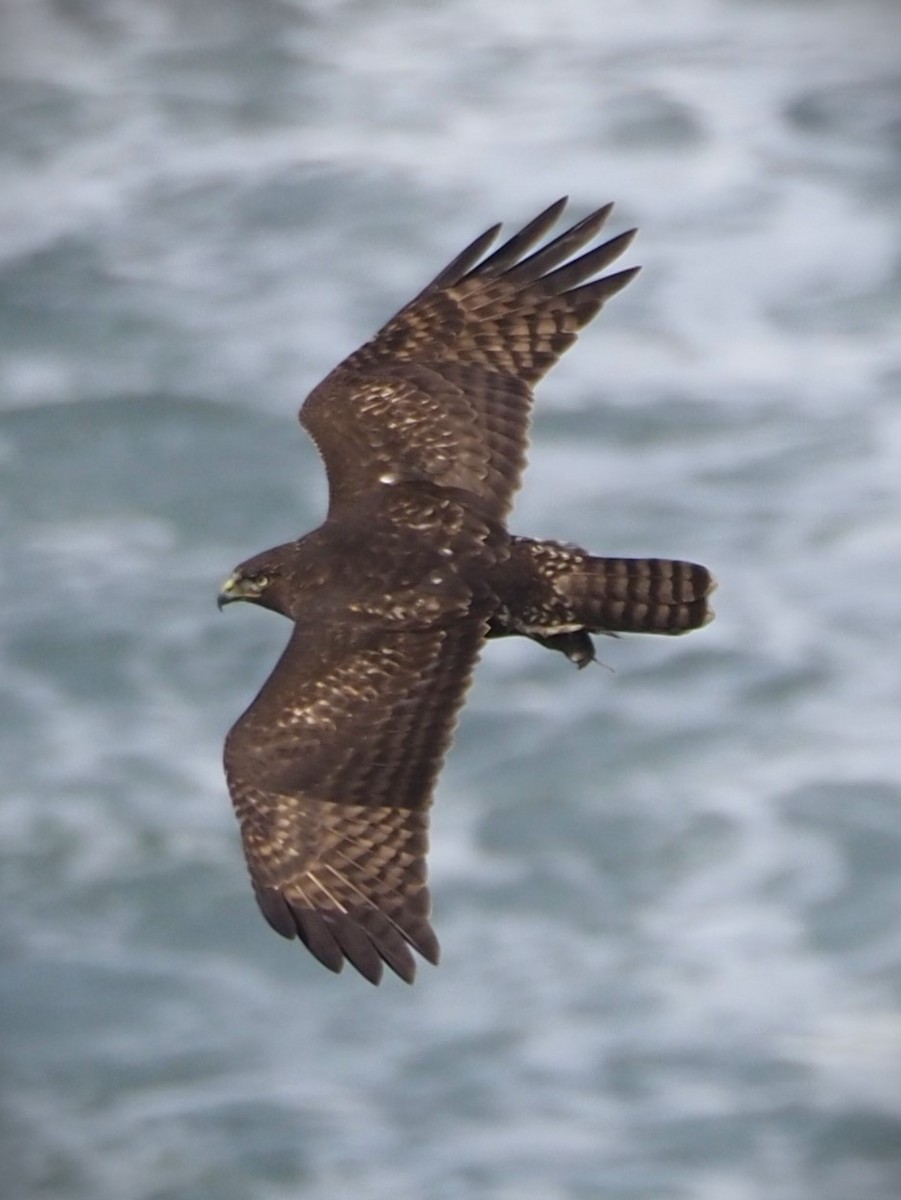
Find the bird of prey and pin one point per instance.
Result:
(423, 431)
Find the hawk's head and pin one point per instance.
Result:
(260, 580)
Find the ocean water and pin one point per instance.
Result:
(667, 892)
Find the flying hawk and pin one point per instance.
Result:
(423, 431)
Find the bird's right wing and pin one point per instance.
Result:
(331, 772)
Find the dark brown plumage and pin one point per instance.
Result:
(423, 431)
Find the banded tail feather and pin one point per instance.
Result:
(558, 595)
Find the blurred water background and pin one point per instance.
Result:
(668, 894)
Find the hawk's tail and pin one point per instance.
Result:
(558, 595)
(636, 595)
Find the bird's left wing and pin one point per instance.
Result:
(331, 771)
(443, 393)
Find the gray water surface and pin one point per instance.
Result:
(668, 893)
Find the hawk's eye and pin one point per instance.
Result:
(259, 581)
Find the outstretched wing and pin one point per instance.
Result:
(443, 392)
(331, 771)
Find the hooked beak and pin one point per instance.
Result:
(229, 592)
